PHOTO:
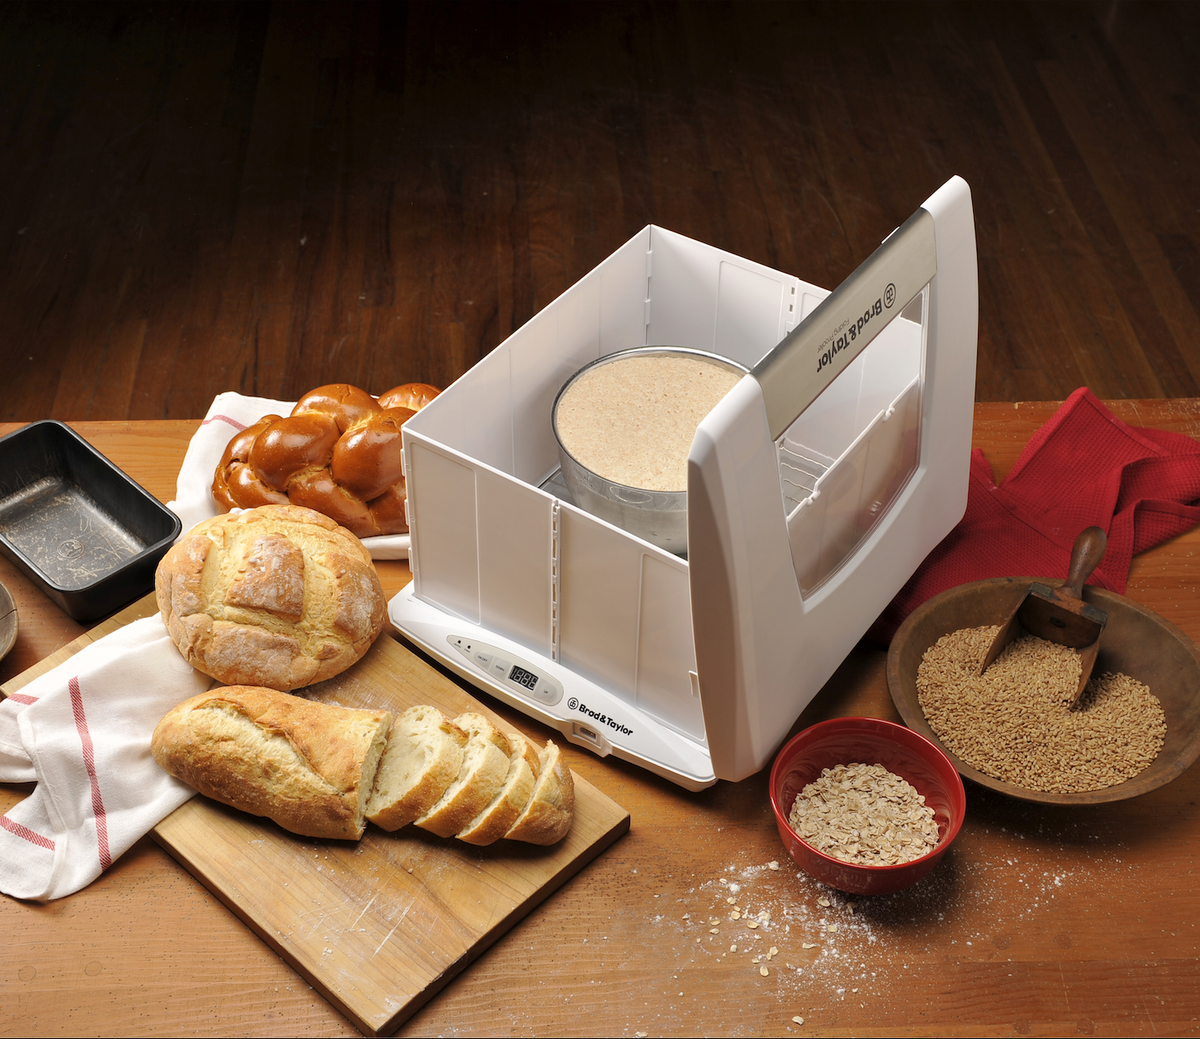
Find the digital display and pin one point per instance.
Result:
(522, 677)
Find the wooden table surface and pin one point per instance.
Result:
(1039, 921)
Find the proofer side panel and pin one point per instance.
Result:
(603, 312)
(561, 344)
(600, 574)
(499, 411)
(444, 522)
(707, 299)
(625, 620)
(754, 311)
(623, 293)
(666, 652)
(484, 414)
(515, 580)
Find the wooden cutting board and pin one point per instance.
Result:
(381, 925)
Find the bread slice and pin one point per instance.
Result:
(498, 817)
(308, 766)
(484, 770)
(424, 756)
(547, 817)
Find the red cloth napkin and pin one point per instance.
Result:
(1084, 467)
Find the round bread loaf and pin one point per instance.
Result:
(338, 452)
(277, 596)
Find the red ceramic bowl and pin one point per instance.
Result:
(871, 741)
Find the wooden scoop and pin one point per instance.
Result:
(1060, 615)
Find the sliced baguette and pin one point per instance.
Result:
(308, 766)
(424, 756)
(319, 770)
(498, 817)
(484, 771)
(547, 817)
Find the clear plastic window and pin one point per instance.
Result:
(845, 460)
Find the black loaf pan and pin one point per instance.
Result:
(75, 524)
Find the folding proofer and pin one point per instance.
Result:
(815, 488)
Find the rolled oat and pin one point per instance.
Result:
(866, 815)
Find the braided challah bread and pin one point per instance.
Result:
(338, 453)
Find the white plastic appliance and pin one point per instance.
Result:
(815, 488)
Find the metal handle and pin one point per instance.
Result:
(817, 350)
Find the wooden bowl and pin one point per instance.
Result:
(1136, 641)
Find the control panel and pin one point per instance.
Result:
(516, 675)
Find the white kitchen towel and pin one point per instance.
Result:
(231, 413)
(82, 733)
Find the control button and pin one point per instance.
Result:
(549, 690)
(481, 658)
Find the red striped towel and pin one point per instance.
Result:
(82, 733)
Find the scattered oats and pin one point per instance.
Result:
(733, 947)
(735, 915)
(797, 1019)
(773, 953)
(756, 959)
(752, 924)
(731, 900)
(808, 945)
(831, 927)
(714, 930)
(764, 972)
(823, 902)
(713, 921)
(850, 908)
(773, 864)
(1014, 723)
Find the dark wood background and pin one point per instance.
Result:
(265, 197)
